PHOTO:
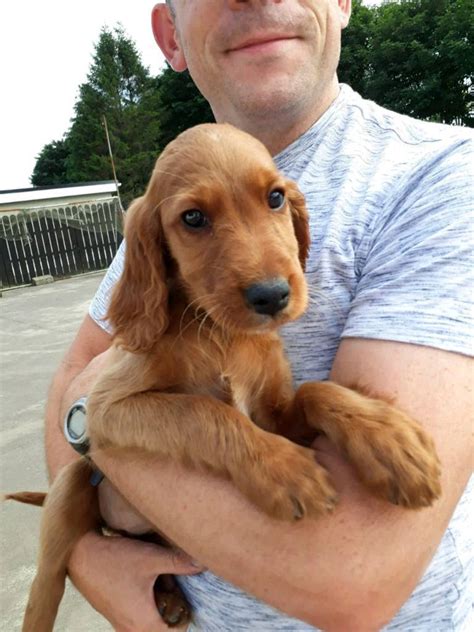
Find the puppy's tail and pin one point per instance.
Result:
(71, 510)
(29, 498)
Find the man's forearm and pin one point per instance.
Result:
(329, 572)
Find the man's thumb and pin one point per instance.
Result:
(177, 562)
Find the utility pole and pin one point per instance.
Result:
(104, 122)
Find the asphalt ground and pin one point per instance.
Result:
(37, 326)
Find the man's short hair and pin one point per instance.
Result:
(171, 7)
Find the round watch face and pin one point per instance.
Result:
(77, 423)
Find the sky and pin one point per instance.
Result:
(46, 49)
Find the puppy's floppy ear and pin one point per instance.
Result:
(138, 309)
(299, 214)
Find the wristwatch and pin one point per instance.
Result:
(75, 426)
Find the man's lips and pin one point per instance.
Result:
(260, 43)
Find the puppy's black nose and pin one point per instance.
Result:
(269, 297)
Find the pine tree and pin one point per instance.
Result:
(118, 87)
(179, 105)
(50, 167)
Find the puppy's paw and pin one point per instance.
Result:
(173, 608)
(397, 459)
(287, 483)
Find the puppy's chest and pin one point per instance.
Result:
(228, 378)
(225, 390)
(242, 399)
(226, 387)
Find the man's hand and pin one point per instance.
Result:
(116, 576)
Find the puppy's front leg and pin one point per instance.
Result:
(281, 478)
(394, 457)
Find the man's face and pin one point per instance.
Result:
(259, 57)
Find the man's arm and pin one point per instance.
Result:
(70, 383)
(350, 570)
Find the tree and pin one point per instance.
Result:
(179, 105)
(51, 164)
(413, 56)
(455, 52)
(118, 87)
(356, 39)
(143, 114)
(420, 59)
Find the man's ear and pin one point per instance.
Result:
(164, 31)
(345, 8)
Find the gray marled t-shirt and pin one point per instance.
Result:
(390, 201)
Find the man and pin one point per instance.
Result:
(388, 198)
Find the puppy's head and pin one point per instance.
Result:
(233, 231)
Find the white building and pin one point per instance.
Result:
(17, 200)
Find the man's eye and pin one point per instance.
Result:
(194, 218)
(276, 199)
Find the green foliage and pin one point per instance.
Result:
(356, 38)
(180, 105)
(413, 56)
(118, 88)
(455, 62)
(51, 167)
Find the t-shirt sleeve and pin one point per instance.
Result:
(415, 279)
(100, 303)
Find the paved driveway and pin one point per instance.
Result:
(37, 325)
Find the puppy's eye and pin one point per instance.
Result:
(276, 199)
(194, 218)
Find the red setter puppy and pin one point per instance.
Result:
(214, 266)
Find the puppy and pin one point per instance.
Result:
(214, 265)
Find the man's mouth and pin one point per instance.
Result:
(263, 43)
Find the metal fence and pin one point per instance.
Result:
(59, 241)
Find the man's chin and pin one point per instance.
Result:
(264, 100)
